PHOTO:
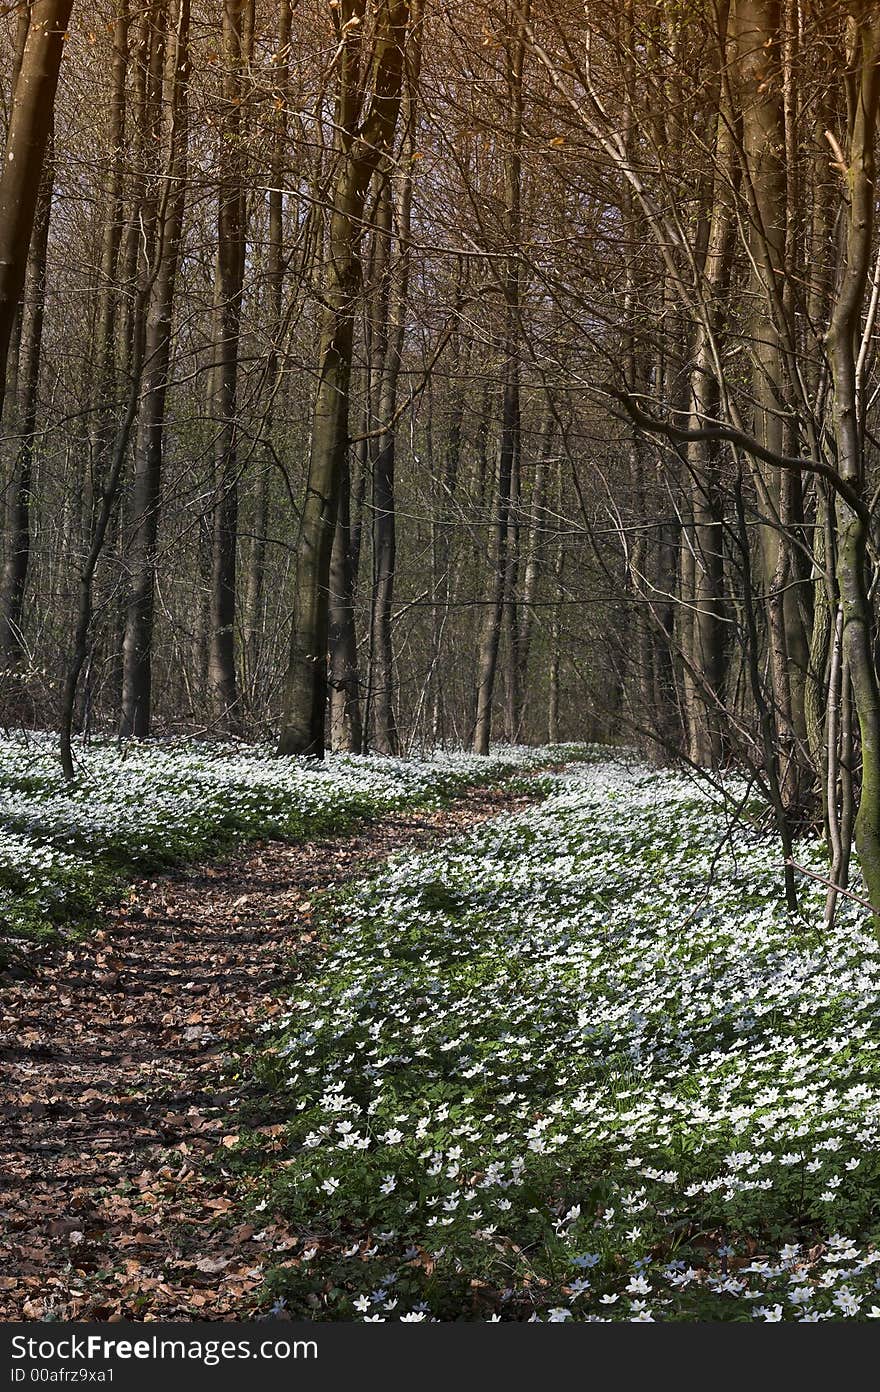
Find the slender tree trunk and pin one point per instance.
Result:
(275, 282)
(510, 408)
(145, 500)
(255, 586)
(9, 461)
(821, 200)
(384, 724)
(556, 626)
(444, 486)
(759, 40)
(346, 721)
(108, 382)
(229, 282)
(359, 146)
(511, 613)
(537, 524)
(707, 647)
(825, 604)
(382, 533)
(18, 523)
(345, 707)
(33, 104)
(863, 43)
(144, 105)
(105, 379)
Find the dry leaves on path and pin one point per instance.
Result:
(113, 1094)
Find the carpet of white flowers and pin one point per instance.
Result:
(580, 1065)
(142, 806)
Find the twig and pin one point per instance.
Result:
(830, 884)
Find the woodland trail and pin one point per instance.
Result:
(116, 1095)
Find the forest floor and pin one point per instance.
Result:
(580, 1064)
(117, 1061)
(551, 1050)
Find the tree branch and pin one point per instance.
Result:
(743, 441)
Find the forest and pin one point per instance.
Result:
(440, 465)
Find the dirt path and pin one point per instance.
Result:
(111, 1095)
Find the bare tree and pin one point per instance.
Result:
(501, 549)
(365, 127)
(144, 502)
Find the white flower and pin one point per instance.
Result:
(770, 1314)
(637, 1285)
(848, 1303)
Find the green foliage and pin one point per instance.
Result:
(66, 849)
(581, 1064)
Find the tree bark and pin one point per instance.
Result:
(384, 738)
(18, 520)
(346, 732)
(760, 67)
(229, 283)
(360, 145)
(275, 283)
(556, 626)
(863, 43)
(707, 618)
(145, 500)
(33, 104)
(537, 523)
(500, 549)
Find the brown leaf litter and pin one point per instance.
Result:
(116, 1088)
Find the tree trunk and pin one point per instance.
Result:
(359, 147)
(145, 500)
(145, 105)
(105, 377)
(510, 407)
(345, 706)
(254, 593)
(556, 626)
(444, 485)
(228, 285)
(707, 622)
(758, 36)
(384, 724)
(33, 104)
(18, 527)
(511, 606)
(537, 523)
(863, 43)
